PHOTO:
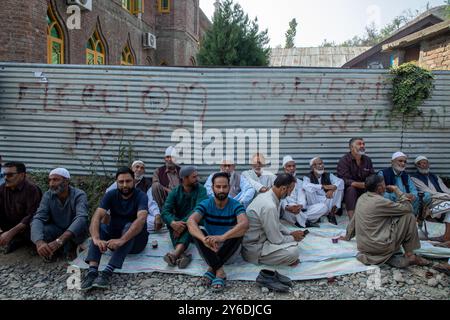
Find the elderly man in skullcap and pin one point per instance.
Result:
(166, 177)
(437, 194)
(177, 209)
(395, 175)
(323, 187)
(61, 221)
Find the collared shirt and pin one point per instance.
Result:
(19, 205)
(349, 171)
(72, 215)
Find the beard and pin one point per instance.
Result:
(138, 177)
(424, 171)
(170, 165)
(361, 152)
(319, 172)
(58, 189)
(126, 193)
(398, 169)
(221, 196)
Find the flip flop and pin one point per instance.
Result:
(208, 278)
(184, 260)
(218, 284)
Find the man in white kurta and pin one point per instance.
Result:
(260, 179)
(295, 209)
(267, 241)
(323, 187)
(439, 200)
(240, 189)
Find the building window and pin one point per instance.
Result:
(164, 6)
(133, 6)
(55, 40)
(127, 57)
(95, 50)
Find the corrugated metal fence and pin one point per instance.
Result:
(79, 116)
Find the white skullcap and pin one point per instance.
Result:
(137, 162)
(398, 154)
(312, 161)
(60, 172)
(420, 158)
(171, 151)
(287, 159)
(228, 160)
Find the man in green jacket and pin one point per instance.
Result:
(177, 209)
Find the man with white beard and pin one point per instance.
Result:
(323, 187)
(437, 194)
(260, 179)
(395, 175)
(240, 189)
(294, 207)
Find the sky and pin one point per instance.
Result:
(334, 20)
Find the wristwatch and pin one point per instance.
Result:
(59, 242)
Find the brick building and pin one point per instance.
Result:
(111, 32)
(428, 48)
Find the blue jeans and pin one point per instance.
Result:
(133, 246)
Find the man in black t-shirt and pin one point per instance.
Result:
(126, 233)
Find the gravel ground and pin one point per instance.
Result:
(24, 275)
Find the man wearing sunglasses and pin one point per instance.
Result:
(19, 200)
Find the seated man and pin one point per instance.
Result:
(166, 178)
(225, 225)
(154, 221)
(323, 187)
(267, 241)
(438, 200)
(61, 221)
(260, 180)
(382, 226)
(240, 189)
(354, 168)
(125, 234)
(396, 175)
(294, 208)
(19, 200)
(176, 211)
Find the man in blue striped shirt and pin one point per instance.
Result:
(225, 224)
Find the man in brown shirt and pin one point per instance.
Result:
(19, 200)
(354, 168)
(165, 178)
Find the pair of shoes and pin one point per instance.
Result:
(273, 281)
(398, 262)
(170, 260)
(310, 224)
(218, 284)
(184, 260)
(332, 219)
(93, 280)
(208, 278)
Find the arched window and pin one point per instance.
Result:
(127, 58)
(55, 39)
(95, 50)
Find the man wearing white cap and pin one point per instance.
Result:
(154, 221)
(260, 179)
(61, 221)
(240, 189)
(437, 194)
(395, 175)
(323, 187)
(294, 207)
(166, 177)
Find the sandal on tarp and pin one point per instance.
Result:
(218, 284)
(170, 259)
(208, 278)
(184, 260)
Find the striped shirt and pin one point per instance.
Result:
(219, 221)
